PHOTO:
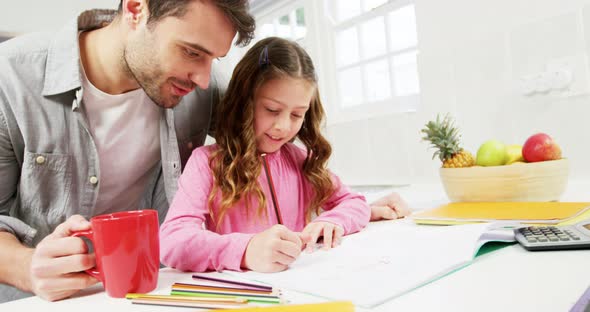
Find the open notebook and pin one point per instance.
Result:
(402, 257)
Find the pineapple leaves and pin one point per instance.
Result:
(443, 137)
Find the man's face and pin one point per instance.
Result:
(172, 56)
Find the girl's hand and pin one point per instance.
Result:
(389, 207)
(273, 250)
(331, 233)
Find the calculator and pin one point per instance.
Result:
(576, 236)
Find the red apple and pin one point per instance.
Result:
(540, 147)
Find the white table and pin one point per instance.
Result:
(509, 279)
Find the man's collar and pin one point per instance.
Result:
(62, 72)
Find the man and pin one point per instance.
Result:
(97, 118)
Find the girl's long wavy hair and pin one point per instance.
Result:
(236, 163)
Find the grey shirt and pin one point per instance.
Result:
(49, 167)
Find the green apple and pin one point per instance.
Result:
(491, 153)
(513, 153)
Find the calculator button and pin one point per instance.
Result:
(564, 238)
(542, 239)
(531, 240)
(553, 239)
(575, 238)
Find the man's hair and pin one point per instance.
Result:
(237, 11)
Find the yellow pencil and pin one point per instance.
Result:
(336, 306)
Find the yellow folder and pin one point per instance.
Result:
(336, 306)
(525, 212)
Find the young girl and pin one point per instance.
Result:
(247, 201)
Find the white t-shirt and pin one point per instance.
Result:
(125, 128)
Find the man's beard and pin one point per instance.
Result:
(147, 76)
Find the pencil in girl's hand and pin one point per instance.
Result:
(273, 194)
(214, 279)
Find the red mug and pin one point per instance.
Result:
(127, 250)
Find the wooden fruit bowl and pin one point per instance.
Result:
(539, 181)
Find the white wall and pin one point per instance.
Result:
(17, 17)
(472, 56)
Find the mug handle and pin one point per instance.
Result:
(89, 234)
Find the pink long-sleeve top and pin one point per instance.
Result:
(190, 241)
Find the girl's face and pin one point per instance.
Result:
(279, 109)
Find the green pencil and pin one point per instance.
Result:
(260, 299)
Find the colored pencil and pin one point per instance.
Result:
(273, 194)
(228, 293)
(185, 298)
(213, 292)
(189, 304)
(224, 289)
(214, 279)
(340, 306)
(250, 298)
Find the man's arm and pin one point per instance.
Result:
(52, 269)
(15, 260)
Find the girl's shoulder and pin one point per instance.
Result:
(203, 152)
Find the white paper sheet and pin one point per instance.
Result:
(397, 258)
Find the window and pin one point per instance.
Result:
(375, 52)
(290, 25)
(287, 19)
(284, 18)
(365, 51)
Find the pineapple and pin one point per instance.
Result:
(444, 136)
